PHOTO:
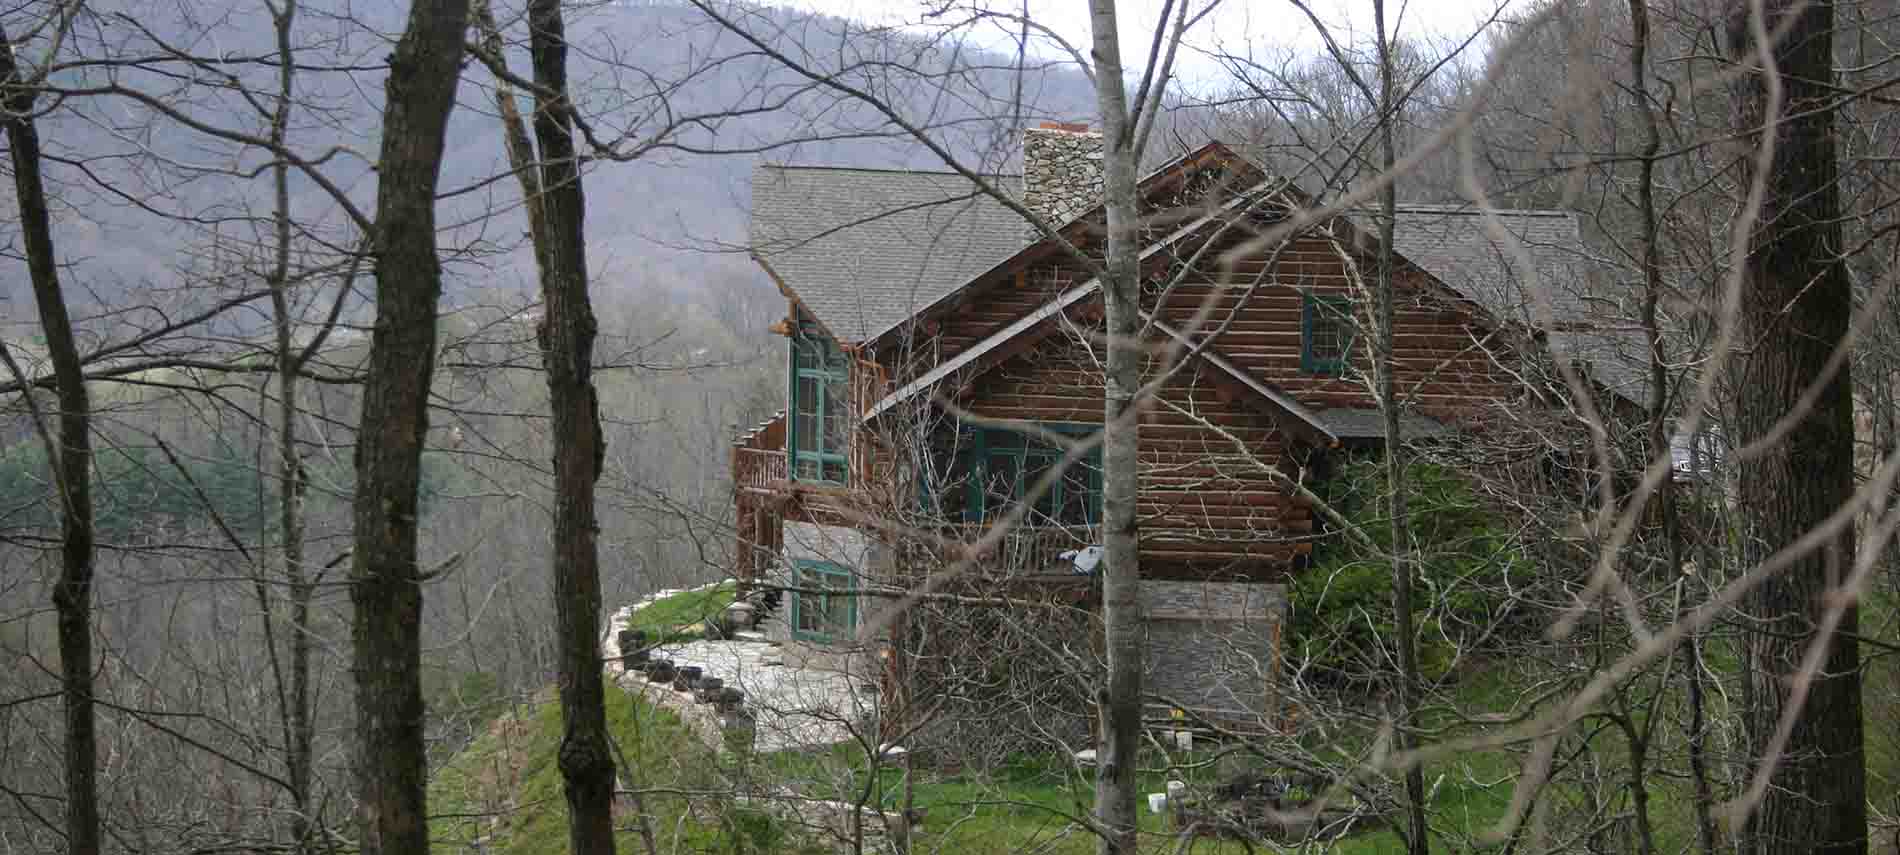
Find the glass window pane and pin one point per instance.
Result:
(837, 418)
(1039, 466)
(1077, 496)
(1001, 480)
(805, 430)
(838, 615)
(805, 395)
(811, 612)
(820, 612)
(1328, 331)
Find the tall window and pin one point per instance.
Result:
(1008, 465)
(821, 414)
(828, 607)
(1326, 331)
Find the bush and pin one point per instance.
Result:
(1468, 567)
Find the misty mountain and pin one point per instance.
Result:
(161, 202)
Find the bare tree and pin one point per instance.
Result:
(70, 454)
(386, 582)
(1391, 411)
(556, 212)
(1124, 137)
(1795, 411)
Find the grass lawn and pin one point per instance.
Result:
(663, 619)
(1031, 805)
(503, 793)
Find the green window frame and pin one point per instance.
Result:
(823, 616)
(818, 440)
(1003, 465)
(1326, 333)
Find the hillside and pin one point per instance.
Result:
(652, 77)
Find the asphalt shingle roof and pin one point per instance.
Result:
(1518, 264)
(865, 249)
(1357, 423)
(1475, 255)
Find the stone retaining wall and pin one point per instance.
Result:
(1213, 646)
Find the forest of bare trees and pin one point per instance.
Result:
(338, 419)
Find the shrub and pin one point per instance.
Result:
(1468, 568)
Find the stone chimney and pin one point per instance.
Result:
(1062, 170)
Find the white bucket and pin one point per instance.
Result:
(1157, 802)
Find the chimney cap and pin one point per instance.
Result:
(1066, 127)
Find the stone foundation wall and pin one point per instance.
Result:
(846, 547)
(1212, 646)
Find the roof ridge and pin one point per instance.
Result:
(1473, 210)
(882, 170)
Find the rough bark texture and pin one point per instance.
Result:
(72, 595)
(386, 589)
(1417, 841)
(567, 350)
(1120, 703)
(1796, 308)
(555, 208)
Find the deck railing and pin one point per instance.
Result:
(757, 468)
(1023, 550)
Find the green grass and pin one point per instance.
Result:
(664, 619)
(508, 776)
(1029, 805)
(503, 794)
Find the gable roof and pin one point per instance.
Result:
(1089, 288)
(1473, 254)
(1514, 263)
(864, 249)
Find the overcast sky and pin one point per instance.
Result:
(1263, 28)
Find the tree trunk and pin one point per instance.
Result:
(386, 589)
(1661, 418)
(1796, 308)
(71, 459)
(299, 730)
(567, 350)
(1120, 702)
(556, 209)
(1416, 831)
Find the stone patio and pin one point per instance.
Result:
(798, 696)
